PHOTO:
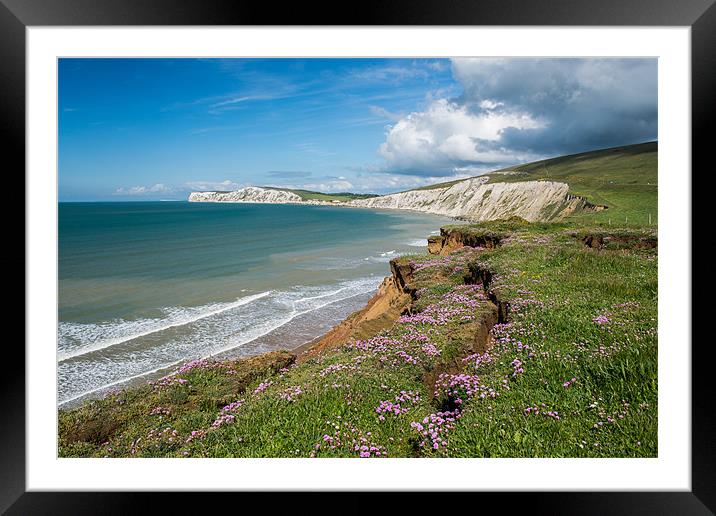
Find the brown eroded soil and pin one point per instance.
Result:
(379, 314)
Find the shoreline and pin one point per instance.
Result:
(300, 351)
(72, 394)
(375, 308)
(226, 355)
(265, 343)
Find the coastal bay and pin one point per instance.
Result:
(144, 286)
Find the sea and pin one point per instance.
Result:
(146, 286)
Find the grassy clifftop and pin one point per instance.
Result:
(308, 195)
(542, 346)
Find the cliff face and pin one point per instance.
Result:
(472, 199)
(381, 312)
(248, 194)
(475, 200)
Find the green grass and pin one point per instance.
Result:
(559, 293)
(615, 364)
(308, 195)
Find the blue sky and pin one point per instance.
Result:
(144, 129)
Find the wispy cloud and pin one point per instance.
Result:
(279, 88)
(157, 188)
(338, 82)
(384, 113)
(395, 72)
(237, 100)
(360, 122)
(313, 148)
(214, 128)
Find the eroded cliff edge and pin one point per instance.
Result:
(397, 295)
(390, 301)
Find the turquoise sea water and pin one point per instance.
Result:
(146, 285)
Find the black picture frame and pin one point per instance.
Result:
(700, 15)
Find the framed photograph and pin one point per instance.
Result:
(421, 249)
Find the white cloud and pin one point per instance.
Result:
(446, 134)
(490, 104)
(329, 184)
(157, 188)
(379, 182)
(390, 73)
(332, 185)
(515, 110)
(386, 183)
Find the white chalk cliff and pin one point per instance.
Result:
(248, 194)
(475, 200)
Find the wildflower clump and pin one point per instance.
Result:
(477, 360)
(291, 393)
(399, 406)
(601, 319)
(262, 387)
(457, 387)
(434, 429)
(168, 381)
(227, 415)
(349, 440)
